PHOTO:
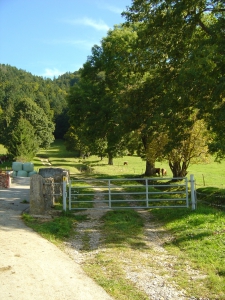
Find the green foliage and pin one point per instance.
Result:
(22, 144)
(47, 94)
(181, 49)
(38, 101)
(28, 130)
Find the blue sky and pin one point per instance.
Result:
(51, 37)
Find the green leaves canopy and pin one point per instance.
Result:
(185, 40)
(30, 124)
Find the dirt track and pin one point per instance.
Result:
(30, 266)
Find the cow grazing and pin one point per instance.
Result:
(164, 172)
(156, 171)
(125, 163)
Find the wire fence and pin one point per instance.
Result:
(206, 180)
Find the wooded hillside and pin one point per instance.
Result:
(32, 109)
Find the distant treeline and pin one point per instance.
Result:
(50, 95)
(32, 108)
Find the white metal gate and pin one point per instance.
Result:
(126, 193)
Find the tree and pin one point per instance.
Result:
(134, 89)
(75, 143)
(22, 143)
(193, 149)
(50, 95)
(27, 113)
(185, 39)
(93, 108)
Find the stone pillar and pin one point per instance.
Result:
(37, 201)
(48, 193)
(57, 174)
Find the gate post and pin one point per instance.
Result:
(193, 200)
(110, 199)
(64, 192)
(146, 191)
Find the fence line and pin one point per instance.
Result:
(146, 197)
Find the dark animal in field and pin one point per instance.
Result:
(156, 171)
(164, 172)
(125, 163)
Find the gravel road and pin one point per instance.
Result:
(30, 266)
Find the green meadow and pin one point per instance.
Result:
(211, 174)
(198, 237)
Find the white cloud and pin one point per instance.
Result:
(52, 72)
(98, 25)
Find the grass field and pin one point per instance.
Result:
(198, 236)
(205, 174)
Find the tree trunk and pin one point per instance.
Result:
(177, 169)
(110, 159)
(149, 167)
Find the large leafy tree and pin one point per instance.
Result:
(136, 100)
(93, 108)
(185, 40)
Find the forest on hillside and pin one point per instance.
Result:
(33, 110)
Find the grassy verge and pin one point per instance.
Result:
(198, 244)
(199, 237)
(56, 229)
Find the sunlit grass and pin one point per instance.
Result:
(199, 237)
(55, 230)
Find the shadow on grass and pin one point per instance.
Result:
(123, 227)
(189, 237)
